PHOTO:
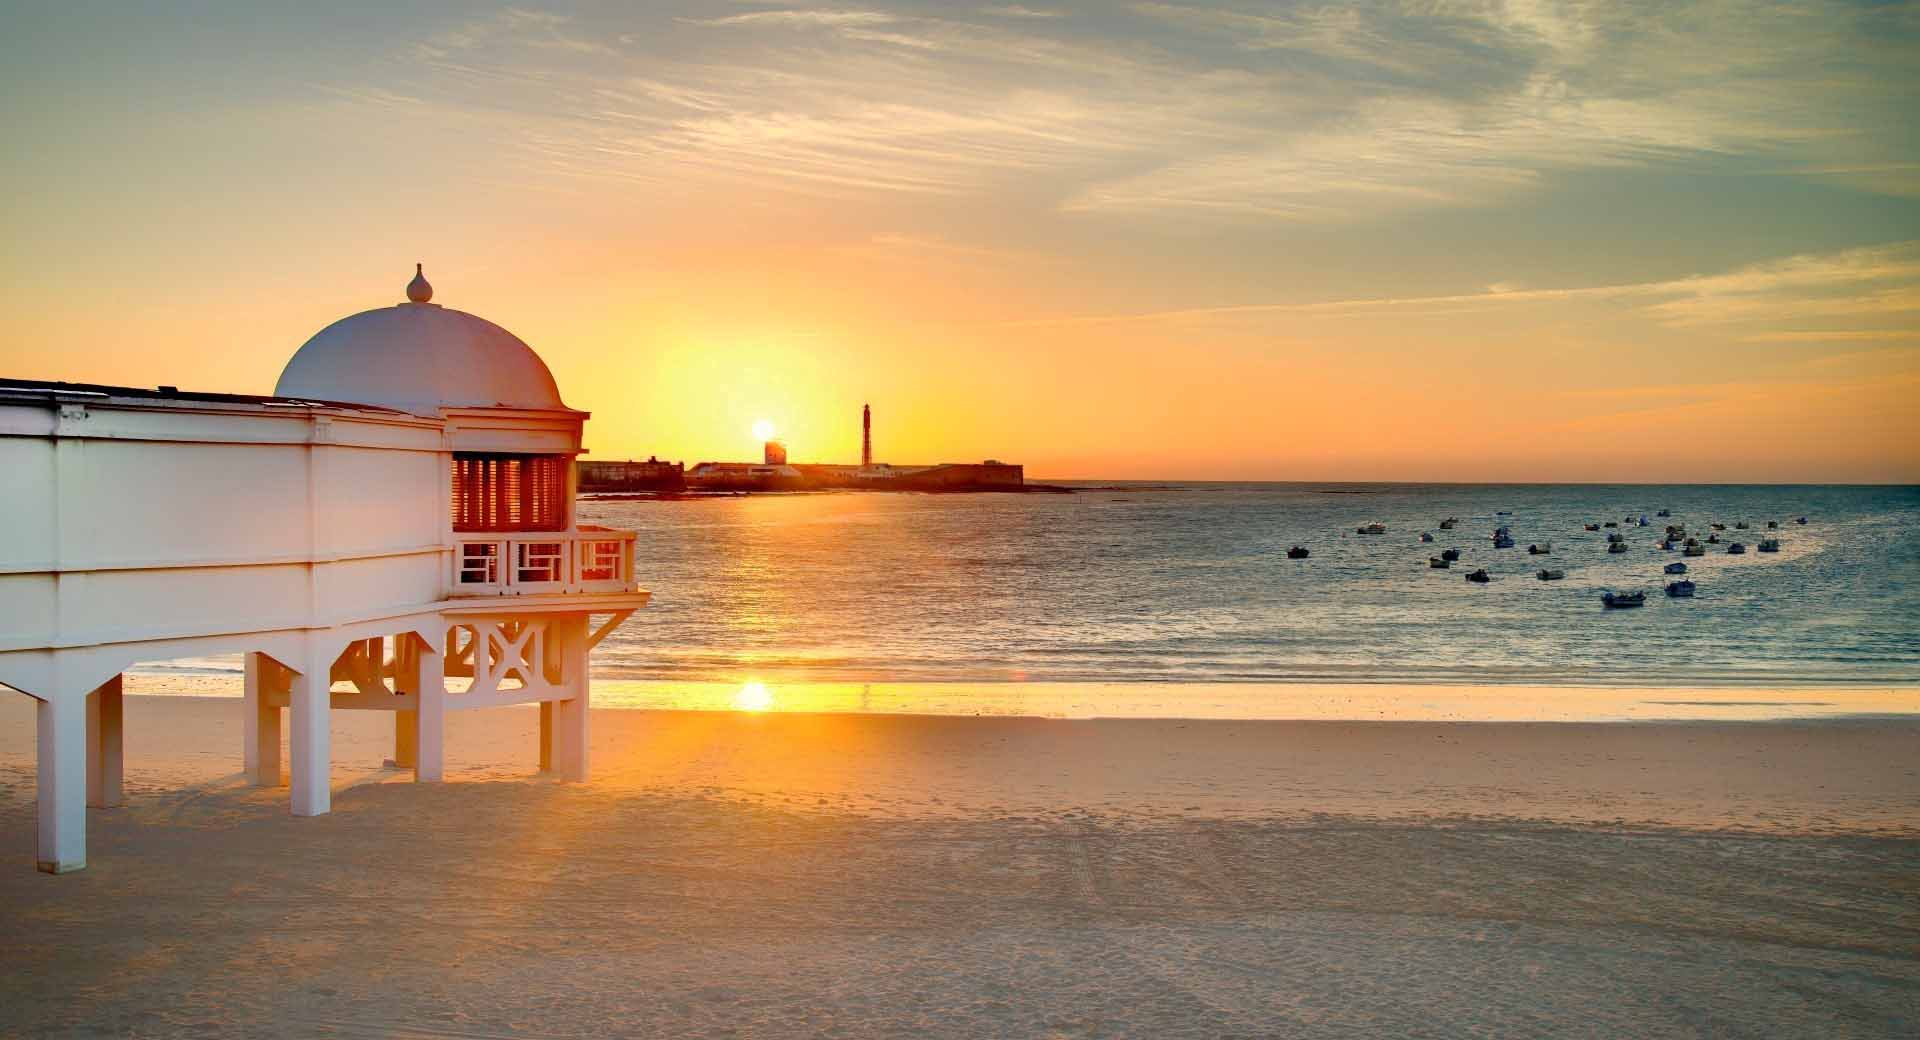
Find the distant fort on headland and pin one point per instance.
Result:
(775, 473)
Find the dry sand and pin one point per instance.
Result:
(785, 875)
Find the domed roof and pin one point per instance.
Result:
(419, 357)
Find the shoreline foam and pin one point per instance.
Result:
(1456, 702)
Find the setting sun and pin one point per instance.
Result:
(762, 430)
(753, 696)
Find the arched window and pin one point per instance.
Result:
(509, 492)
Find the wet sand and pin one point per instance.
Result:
(730, 874)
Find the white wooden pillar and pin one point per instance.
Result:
(406, 738)
(106, 761)
(62, 787)
(406, 730)
(266, 682)
(430, 721)
(546, 736)
(553, 668)
(310, 738)
(570, 716)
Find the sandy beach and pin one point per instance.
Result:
(736, 874)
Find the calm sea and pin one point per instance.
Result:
(1179, 600)
(1191, 583)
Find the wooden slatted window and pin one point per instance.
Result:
(509, 492)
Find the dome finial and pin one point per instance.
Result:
(419, 290)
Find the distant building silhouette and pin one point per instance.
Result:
(775, 473)
(631, 475)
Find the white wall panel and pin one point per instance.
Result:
(360, 587)
(26, 502)
(139, 502)
(372, 500)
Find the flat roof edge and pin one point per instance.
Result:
(55, 390)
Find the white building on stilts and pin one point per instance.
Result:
(393, 530)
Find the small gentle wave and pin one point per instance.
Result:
(1190, 584)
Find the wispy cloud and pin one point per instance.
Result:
(1835, 336)
(1287, 113)
(1018, 11)
(1867, 282)
(1473, 104)
(799, 16)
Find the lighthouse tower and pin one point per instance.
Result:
(866, 436)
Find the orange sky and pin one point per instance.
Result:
(1170, 241)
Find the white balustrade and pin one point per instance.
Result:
(589, 559)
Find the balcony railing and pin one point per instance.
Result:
(589, 559)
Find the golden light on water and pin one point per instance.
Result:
(754, 696)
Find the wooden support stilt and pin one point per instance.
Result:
(62, 787)
(106, 761)
(406, 738)
(311, 739)
(265, 679)
(570, 719)
(546, 736)
(430, 721)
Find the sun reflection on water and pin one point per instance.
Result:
(754, 696)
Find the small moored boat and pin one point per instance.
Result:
(1426, 536)
(1373, 528)
(1694, 548)
(1438, 563)
(1450, 555)
(1618, 600)
(1736, 549)
(1769, 545)
(1741, 526)
(1550, 575)
(1591, 527)
(1480, 577)
(1664, 512)
(1676, 568)
(1447, 524)
(1540, 549)
(1801, 520)
(1298, 552)
(1503, 541)
(1681, 589)
(1616, 547)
